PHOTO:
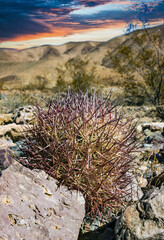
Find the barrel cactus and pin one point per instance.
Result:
(85, 143)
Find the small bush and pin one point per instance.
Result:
(75, 69)
(40, 83)
(87, 145)
(61, 85)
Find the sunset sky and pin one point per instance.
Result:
(27, 23)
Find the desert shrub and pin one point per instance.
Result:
(84, 143)
(141, 65)
(76, 70)
(40, 83)
(61, 85)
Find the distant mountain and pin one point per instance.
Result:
(21, 67)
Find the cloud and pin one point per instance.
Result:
(25, 19)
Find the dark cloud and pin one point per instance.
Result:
(94, 3)
(24, 17)
(18, 23)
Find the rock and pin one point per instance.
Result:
(12, 131)
(94, 223)
(6, 158)
(155, 138)
(23, 115)
(6, 144)
(17, 149)
(143, 220)
(147, 132)
(33, 207)
(147, 119)
(142, 182)
(146, 170)
(153, 126)
(134, 190)
(5, 119)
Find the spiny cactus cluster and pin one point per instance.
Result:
(84, 143)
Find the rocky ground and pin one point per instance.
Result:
(29, 206)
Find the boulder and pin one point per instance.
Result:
(23, 115)
(143, 220)
(33, 207)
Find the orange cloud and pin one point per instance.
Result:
(73, 28)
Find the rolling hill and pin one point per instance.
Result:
(19, 68)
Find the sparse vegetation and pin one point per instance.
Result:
(9, 78)
(16, 98)
(84, 143)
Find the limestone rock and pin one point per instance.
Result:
(143, 220)
(32, 207)
(23, 115)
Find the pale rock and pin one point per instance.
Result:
(134, 190)
(24, 115)
(33, 207)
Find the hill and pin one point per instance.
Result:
(18, 68)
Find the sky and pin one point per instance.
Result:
(28, 23)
